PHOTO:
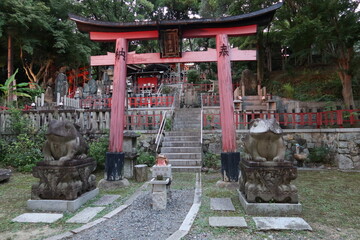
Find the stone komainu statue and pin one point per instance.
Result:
(265, 175)
(64, 142)
(265, 142)
(66, 170)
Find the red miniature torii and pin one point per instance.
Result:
(221, 29)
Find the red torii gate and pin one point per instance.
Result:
(169, 32)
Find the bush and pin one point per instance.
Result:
(319, 155)
(18, 123)
(193, 76)
(24, 152)
(168, 124)
(145, 158)
(212, 160)
(288, 90)
(98, 149)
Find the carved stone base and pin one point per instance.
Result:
(63, 181)
(268, 182)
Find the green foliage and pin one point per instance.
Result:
(19, 89)
(193, 76)
(145, 158)
(168, 124)
(319, 154)
(98, 149)
(166, 90)
(288, 90)
(18, 123)
(24, 152)
(212, 160)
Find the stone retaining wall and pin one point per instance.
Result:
(343, 144)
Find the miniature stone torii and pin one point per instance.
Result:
(170, 33)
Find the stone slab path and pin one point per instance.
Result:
(227, 222)
(221, 204)
(38, 217)
(106, 200)
(85, 215)
(281, 223)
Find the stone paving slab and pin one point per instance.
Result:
(221, 204)
(281, 223)
(38, 217)
(227, 222)
(106, 200)
(85, 215)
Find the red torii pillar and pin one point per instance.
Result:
(230, 159)
(115, 157)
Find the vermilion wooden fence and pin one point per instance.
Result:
(210, 100)
(164, 101)
(336, 118)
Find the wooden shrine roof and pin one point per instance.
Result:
(260, 18)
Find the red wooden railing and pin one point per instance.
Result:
(164, 101)
(210, 100)
(143, 122)
(336, 118)
(95, 103)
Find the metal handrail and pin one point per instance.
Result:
(202, 119)
(163, 122)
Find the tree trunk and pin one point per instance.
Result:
(10, 70)
(260, 58)
(346, 79)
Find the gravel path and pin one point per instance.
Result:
(140, 221)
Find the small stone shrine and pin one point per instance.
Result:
(162, 176)
(265, 175)
(66, 171)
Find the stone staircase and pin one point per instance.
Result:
(182, 145)
(254, 104)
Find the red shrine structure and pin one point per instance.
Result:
(170, 34)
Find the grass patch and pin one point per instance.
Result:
(330, 200)
(15, 193)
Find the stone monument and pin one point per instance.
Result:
(61, 84)
(66, 171)
(265, 175)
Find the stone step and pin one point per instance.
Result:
(186, 169)
(182, 144)
(181, 138)
(183, 133)
(181, 150)
(182, 162)
(249, 98)
(186, 129)
(183, 155)
(255, 108)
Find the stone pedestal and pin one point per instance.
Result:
(159, 193)
(268, 182)
(164, 171)
(63, 180)
(141, 173)
(129, 148)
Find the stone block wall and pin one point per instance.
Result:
(343, 144)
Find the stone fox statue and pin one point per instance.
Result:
(265, 142)
(64, 142)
